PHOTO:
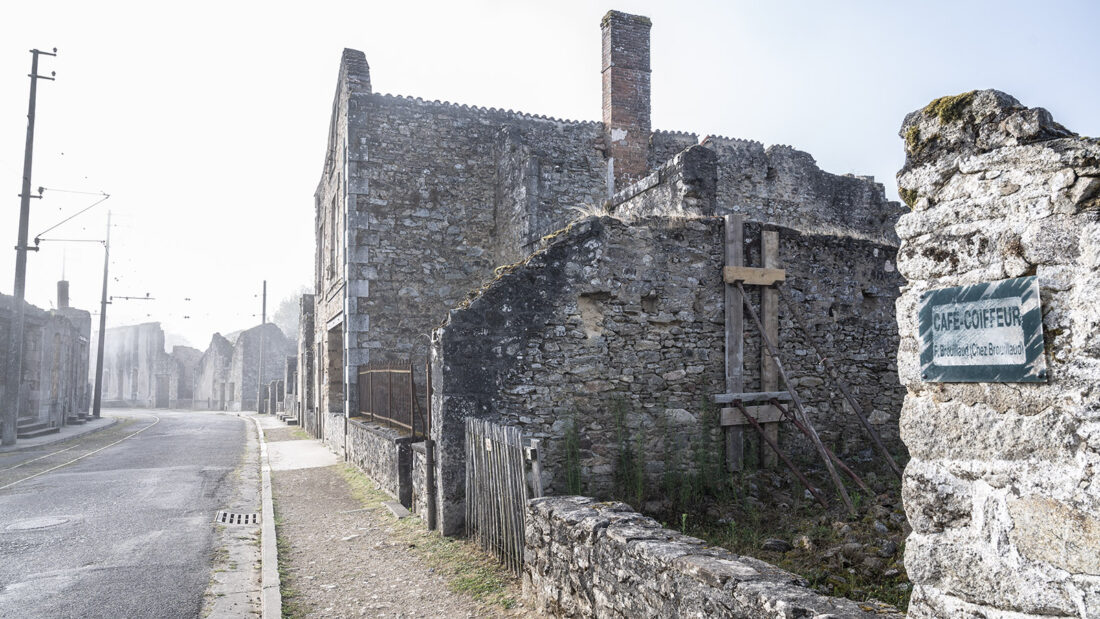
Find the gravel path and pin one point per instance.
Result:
(339, 559)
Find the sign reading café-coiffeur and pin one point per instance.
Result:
(991, 332)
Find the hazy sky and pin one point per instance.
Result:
(207, 121)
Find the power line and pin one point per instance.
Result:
(38, 237)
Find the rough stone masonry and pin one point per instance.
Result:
(1002, 490)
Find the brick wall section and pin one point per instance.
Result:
(615, 316)
(588, 559)
(1002, 491)
(626, 91)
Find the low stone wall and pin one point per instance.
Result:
(584, 558)
(384, 454)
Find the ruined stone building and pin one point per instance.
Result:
(138, 372)
(443, 230)
(212, 387)
(54, 389)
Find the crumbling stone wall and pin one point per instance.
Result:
(183, 376)
(843, 286)
(131, 361)
(1002, 491)
(212, 375)
(684, 186)
(245, 369)
(54, 383)
(307, 367)
(617, 330)
(588, 559)
(784, 186)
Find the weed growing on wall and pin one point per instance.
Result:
(629, 473)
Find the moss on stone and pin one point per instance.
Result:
(950, 109)
(909, 196)
(912, 140)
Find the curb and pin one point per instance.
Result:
(60, 439)
(269, 555)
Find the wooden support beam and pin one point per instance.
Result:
(769, 314)
(734, 249)
(763, 414)
(753, 276)
(756, 396)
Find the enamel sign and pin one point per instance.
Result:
(991, 332)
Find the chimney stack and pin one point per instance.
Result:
(626, 94)
(62, 294)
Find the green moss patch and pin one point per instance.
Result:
(950, 109)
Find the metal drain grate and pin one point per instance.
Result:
(232, 518)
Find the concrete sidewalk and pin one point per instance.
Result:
(66, 433)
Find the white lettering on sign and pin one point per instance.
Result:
(986, 332)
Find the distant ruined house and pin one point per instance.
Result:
(138, 372)
(443, 232)
(227, 374)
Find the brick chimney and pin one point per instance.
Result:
(62, 294)
(626, 94)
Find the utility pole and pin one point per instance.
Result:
(260, 375)
(14, 376)
(97, 397)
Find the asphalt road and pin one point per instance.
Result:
(125, 531)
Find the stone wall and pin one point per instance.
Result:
(384, 454)
(183, 375)
(1002, 491)
(784, 186)
(212, 375)
(419, 480)
(54, 383)
(245, 369)
(684, 186)
(617, 331)
(306, 394)
(588, 559)
(131, 355)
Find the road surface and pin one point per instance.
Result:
(117, 523)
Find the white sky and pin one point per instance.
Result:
(207, 121)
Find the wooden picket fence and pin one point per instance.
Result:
(502, 473)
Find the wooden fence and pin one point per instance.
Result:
(498, 487)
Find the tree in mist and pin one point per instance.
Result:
(288, 313)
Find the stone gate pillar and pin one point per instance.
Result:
(1003, 489)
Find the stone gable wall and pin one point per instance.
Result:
(617, 319)
(1002, 491)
